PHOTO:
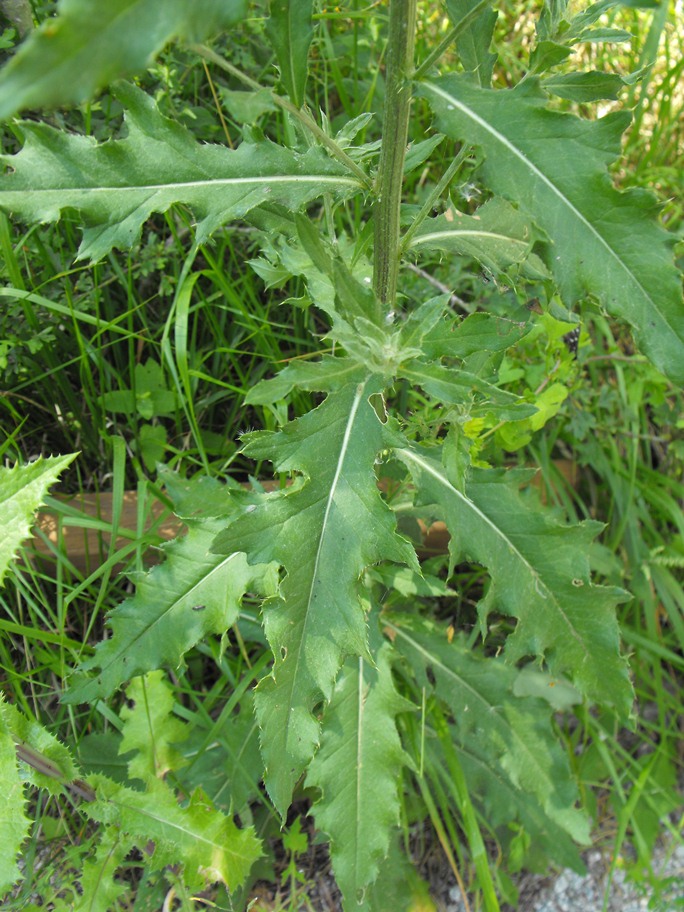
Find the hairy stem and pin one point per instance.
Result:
(402, 29)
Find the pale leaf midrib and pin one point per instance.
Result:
(490, 707)
(146, 631)
(300, 663)
(459, 233)
(427, 467)
(181, 185)
(517, 153)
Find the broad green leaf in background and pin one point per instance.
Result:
(192, 594)
(514, 734)
(206, 843)
(14, 824)
(607, 244)
(474, 43)
(117, 185)
(90, 43)
(324, 532)
(150, 728)
(289, 29)
(497, 235)
(539, 574)
(357, 770)
(22, 491)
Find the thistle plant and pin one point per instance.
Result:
(361, 694)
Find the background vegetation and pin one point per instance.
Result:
(94, 360)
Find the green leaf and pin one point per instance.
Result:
(248, 107)
(117, 185)
(290, 31)
(539, 574)
(192, 594)
(324, 532)
(225, 760)
(357, 769)
(90, 43)
(479, 332)
(100, 891)
(584, 87)
(512, 736)
(205, 842)
(22, 491)
(474, 43)
(14, 824)
(150, 729)
(324, 375)
(606, 243)
(497, 235)
(453, 386)
(52, 765)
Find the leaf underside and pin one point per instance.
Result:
(607, 244)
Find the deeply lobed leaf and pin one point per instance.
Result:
(206, 843)
(357, 770)
(192, 594)
(115, 186)
(539, 575)
(324, 533)
(506, 742)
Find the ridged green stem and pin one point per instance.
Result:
(402, 31)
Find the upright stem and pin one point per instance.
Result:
(402, 31)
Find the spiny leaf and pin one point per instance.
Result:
(479, 332)
(150, 729)
(193, 593)
(22, 490)
(117, 185)
(205, 842)
(458, 386)
(606, 243)
(497, 236)
(324, 375)
(290, 31)
(357, 770)
(14, 824)
(100, 891)
(89, 43)
(324, 532)
(54, 764)
(540, 575)
(515, 734)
